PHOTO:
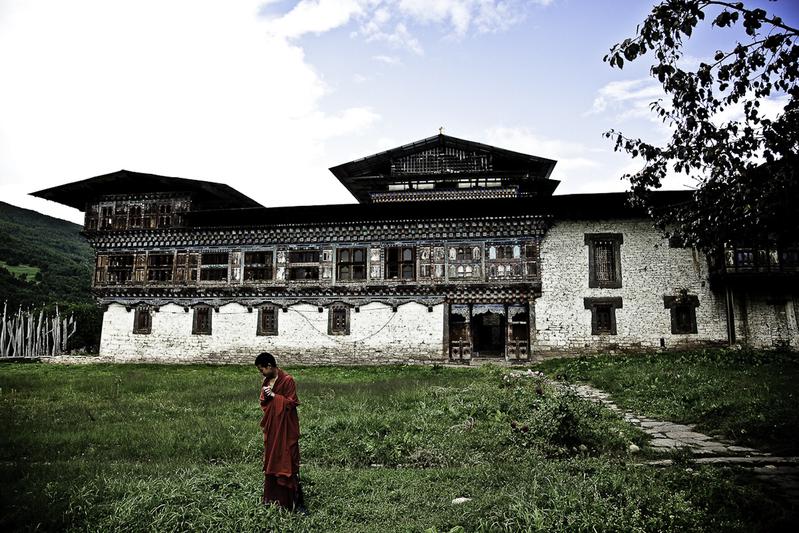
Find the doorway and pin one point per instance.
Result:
(488, 333)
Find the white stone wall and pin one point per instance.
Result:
(762, 323)
(650, 270)
(377, 335)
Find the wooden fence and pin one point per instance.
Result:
(27, 333)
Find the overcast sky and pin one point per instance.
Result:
(266, 96)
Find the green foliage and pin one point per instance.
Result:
(748, 396)
(24, 272)
(61, 263)
(735, 199)
(178, 448)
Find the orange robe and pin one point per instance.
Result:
(281, 427)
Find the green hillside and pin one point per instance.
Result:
(43, 262)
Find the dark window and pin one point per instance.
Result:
(304, 256)
(92, 218)
(164, 215)
(159, 267)
(400, 263)
(150, 215)
(603, 314)
(604, 259)
(202, 321)
(214, 267)
(683, 312)
(120, 268)
(106, 217)
(142, 320)
(135, 220)
(120, 217)
(351, 264)
(257, 266)
(267, 320)
(303, 272)
(339, 320)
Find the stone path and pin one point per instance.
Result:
(668, 436)
(782, 472)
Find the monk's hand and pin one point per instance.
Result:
(268, 392)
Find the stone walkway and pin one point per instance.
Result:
(782, 472)
(667, 436)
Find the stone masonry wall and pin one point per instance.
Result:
(649, 270)
(378, 335)
(766, 319)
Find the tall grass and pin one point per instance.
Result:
(167, 448)
(747, 396)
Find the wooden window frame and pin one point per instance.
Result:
(399, 263)
(263, 329)
(673, 303)
(594, 304)
(167, 271)
(251, 266)
(138, 327)
(331, 327)
(195, 325)
(215, 267)
(351, 264)
(616, 240)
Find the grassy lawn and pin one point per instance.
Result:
(748, 397)
(29, 272)
(150, 447)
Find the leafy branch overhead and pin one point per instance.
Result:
(744, 167)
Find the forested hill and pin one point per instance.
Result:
(43, 262)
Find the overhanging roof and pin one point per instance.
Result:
(78, 193)
(359, 176)
(560, 207)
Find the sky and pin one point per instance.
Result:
(267, 95)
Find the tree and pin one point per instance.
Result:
(745, 168)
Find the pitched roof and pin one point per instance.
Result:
(78, 193)
(362, 175)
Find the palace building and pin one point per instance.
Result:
(456, 251)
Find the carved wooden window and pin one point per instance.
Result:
(120, 217)
(201, 325)
(531, 260)
(604, 259)
(142, 320)
(400, 262)
(257, 266)
(135, 216)
(351, 264)
(187, 267)
(119, 269)
(214, 266)
(106, 217)
(603, 314)
(150, 215)
(303, 265)
(159, 267)
(267, 320)
(140, 268)
(338, 320)
(683, 313)
(165, 215)
(92, 220)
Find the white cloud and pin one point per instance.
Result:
(627, 98)
(389, 21)
(569, 155)
(388, 60)
(100, 85)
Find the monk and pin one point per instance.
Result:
(281, 427)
